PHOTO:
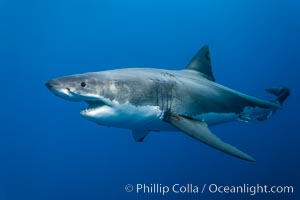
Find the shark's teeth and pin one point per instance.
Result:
(92, 106)
(87, 109)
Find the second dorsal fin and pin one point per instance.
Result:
(201, 63)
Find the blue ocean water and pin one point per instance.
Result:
(48, 151)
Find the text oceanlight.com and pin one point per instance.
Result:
(177, 188)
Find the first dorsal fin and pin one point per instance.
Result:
(201, 63)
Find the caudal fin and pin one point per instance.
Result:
(281, 93)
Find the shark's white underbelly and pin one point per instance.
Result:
(129, 116)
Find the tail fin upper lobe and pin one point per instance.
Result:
(281, 93)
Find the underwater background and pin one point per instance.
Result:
(48, 151)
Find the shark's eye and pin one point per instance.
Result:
(83, 84)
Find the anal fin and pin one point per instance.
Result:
(199, 131)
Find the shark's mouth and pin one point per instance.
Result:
(92, 106)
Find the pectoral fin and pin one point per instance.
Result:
(199, 131)
(139, 135)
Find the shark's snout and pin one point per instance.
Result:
(51, 84)
(59, 89)
(71, 91)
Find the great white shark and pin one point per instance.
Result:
(149, 99)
